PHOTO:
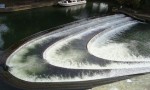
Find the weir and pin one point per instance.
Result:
(81, 52)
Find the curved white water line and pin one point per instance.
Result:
(62, 32)
(72, 59)
(84, 77)
(102, 46)
(75, 31)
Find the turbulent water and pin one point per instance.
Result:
(105, 45)
(86, 50)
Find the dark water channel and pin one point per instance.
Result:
(19, 25)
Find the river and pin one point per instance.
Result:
(130, 44)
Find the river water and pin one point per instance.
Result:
(115, 42)
(24, 23)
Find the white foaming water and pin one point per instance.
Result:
(18, 62)
(87, 31)
(83, 77)
(103, 47)
(26, 67)
(69, 30)
(73, 8)
(60, 32)
(72, 57)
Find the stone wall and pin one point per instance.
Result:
(144, 4)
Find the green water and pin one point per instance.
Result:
(25, 23)
(19, 25)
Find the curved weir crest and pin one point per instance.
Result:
(80, 58)
(68, 54)
(101, 45)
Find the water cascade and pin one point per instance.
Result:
(82, 51)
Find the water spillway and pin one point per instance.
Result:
(82, 51)
(125, 51)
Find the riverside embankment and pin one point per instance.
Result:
(24, 23)
(137, 9)
(27, 6)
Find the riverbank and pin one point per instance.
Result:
(137, 14)
(27, 6)
(143, 16)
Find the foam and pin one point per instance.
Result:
(62, 32)
(82, 77)
(103, 47)
(31, 66)
(63, 54)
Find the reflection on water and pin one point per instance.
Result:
(3, 30)
(82, 11)
(100, 7)
(78, 12)
(27, 62)
(24, 23)
(63, 56)
(73, 8)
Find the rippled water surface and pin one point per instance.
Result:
(69, 53)
(89, 49)
(24, 23)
